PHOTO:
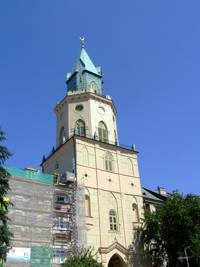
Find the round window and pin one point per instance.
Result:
(79, 107)
(101, 110)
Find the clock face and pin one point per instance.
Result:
(101, 110)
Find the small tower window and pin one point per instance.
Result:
(103, 132)
(87, 206)
(80, 127)
(62, 136)
(109, 162)
(113, 220)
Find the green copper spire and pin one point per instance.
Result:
(87, 62)
(85, 77)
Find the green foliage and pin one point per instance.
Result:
(82, 258)
(4, 202)
(138, 256)
(172, 228)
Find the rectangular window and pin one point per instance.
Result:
(113, 220)
(59, 255)
(60, 198)
(61, 223)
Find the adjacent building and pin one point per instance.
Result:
(30, 218)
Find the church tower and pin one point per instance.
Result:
(108, 198)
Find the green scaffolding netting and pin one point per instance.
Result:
(41, 256)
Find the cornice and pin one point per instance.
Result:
(83, 96)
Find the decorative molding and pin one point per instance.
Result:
(115, 245)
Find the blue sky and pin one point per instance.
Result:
(149, 52)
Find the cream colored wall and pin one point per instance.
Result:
(64, 157)
(119, 193)
(66, 116)
(75, 115)
(107, 118)
(62, 119)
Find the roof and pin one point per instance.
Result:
(38, 176)
(152, 195)
(87, 63)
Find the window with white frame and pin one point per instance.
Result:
(113, 220)
(61, 223)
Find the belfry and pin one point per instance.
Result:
(98, 197)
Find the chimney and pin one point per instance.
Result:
(161, 191)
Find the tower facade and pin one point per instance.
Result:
(107, 193)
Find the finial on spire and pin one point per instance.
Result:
(82, 41)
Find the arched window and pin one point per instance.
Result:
(80, 127)
(109, 162)
(135, 213)
(62, 137)
(87, 206)
(103, 132)
(113, 220)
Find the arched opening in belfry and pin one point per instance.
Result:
(103, 132)
(116, 261)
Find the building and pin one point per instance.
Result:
(98, 195)
(30, 218)
(152, 198)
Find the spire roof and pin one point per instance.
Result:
(85, 76)
(87, 62)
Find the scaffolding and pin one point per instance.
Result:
(30, 218)
(47, 218)
(69, 217)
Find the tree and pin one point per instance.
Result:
(138, 255)
(172, 228)
(4, 201)
(82, 258)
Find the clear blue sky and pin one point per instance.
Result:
(150, 55)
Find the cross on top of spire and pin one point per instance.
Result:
(82, 39)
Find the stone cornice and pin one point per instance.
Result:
(84, 96)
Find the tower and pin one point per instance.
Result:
(108, 198)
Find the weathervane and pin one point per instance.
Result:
(82, 41)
